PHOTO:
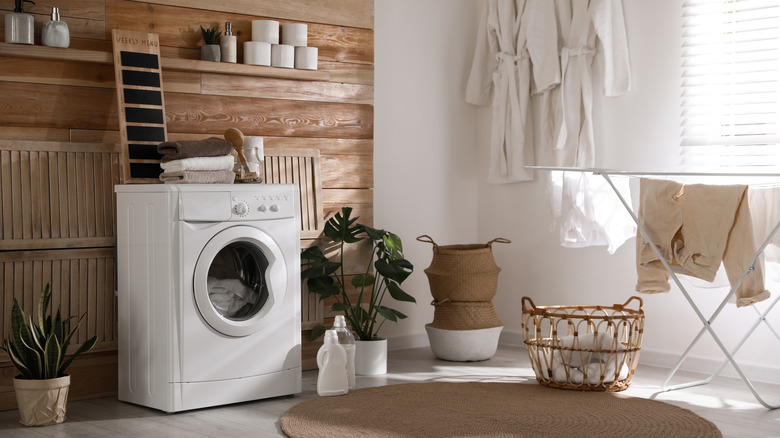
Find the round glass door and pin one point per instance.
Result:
(240, 279)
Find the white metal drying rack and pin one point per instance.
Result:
(706, 323)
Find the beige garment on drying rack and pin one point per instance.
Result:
(695, 227)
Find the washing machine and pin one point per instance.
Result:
(209, 307)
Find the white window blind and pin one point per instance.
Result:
(731, 86)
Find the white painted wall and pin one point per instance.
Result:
(430, 172)
(425, 175)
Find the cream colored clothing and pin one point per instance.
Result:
(695, 227)
(516, 54)
(765, 211)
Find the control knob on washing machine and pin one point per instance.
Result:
(241, 208)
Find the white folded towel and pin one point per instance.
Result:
(222, 162)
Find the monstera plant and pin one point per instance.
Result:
(363, 298)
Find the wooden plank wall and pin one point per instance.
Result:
(65, 115)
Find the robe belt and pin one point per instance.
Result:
(504, 57)
(566, 53)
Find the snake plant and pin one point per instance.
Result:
(211, 35)
(37, 348)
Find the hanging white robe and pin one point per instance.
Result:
(585, 27)
(516, 55)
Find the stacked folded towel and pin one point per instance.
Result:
(197, 161)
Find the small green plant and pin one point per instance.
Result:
(327, 278)
(37, 348)
(210, 35)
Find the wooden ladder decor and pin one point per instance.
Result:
(139, 92)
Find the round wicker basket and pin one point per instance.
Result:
(592, 348)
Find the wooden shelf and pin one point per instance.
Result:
(175, 64)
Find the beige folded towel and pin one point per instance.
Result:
(223, 162)
(198, 177)
(210, 147)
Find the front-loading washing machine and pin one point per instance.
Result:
(209, 309)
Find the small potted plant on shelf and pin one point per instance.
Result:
(210, 51)
(361, 299)
(37, 348)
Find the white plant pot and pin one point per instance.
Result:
(371, 357)
(42, 402)
(464, 345)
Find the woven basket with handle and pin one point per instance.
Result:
(463, 273)
(584, 347)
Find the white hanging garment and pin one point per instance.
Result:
(515, 56)
(588, 213)
(581, 203)
(585, 27)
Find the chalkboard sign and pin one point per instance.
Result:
(141, 103)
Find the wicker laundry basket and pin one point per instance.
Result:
(592, 348)
(463, 272)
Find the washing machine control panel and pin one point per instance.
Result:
(262, 206)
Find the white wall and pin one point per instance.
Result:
(424, 134)
(424, 130)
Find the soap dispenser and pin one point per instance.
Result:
(227, 44)
(55, 33)
(18, 25)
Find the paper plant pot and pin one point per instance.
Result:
(42, 402)
(371, 357)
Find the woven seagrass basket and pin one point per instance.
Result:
(593, 348)
(463, 272)
(458, 315)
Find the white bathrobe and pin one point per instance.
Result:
(585, 27)
(516, 55)
(580, 24)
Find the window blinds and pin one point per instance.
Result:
(731, 85)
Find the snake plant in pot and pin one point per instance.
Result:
(210, 51)
(37, 348)
(363, 298)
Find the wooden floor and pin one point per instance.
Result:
(726, 402)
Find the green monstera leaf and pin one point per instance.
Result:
(364, 297)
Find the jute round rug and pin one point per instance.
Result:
(478, 409)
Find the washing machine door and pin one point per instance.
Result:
(240, 281)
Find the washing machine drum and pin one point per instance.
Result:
(240, 281)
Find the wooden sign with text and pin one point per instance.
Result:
(141, 103)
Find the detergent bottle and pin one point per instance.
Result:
(332, 362)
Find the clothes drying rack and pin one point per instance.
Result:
(706, 322)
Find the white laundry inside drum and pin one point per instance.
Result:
(236, 281)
